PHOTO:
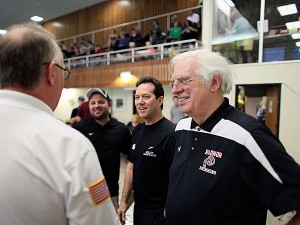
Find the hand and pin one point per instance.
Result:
(121, 213)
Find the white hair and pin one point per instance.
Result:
(207, 65)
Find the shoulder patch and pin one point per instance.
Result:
(99, 191)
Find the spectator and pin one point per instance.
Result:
(194, 18)
(228, 168)
(176, 113)
(76, 110)
(147, 172)
(175, 33)
(74, 50)
(49, 172)
(136, 37)
(112, 39)
(122, 42)
(189, 31)
(109, 137)
(83, 113)
(133, 123)
(157, 28)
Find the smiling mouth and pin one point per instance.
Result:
(183, 99)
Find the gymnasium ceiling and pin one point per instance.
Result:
(20, 11)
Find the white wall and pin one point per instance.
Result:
(288, 74)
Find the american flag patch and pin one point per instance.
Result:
(99, 191)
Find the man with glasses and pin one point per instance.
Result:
(228, 168)
(147, 172)
(49, 172)
(109, 137)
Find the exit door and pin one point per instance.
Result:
(249, 99)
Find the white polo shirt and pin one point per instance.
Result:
(49, 172)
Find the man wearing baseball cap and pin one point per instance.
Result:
(109, 137)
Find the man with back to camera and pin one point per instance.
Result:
(147, 172)
(228, 168)
(50, 173)
(109, 137)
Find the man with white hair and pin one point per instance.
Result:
(228, 168)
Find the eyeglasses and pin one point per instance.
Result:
(66, 72)
(182, 82)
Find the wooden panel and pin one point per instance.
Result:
(109, 76)
(112, 13)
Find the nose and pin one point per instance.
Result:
(176, 89)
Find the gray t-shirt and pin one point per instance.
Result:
(176, 114)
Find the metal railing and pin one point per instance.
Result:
(158, 52)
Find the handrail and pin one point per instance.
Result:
(129, 23)
(133, 54)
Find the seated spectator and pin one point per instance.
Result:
(148, 51)
(189, 31)
(74, 50)
(63, 48)
(136, 37)
(152, 37)
(122, 42)
(174, 19)
(99, 49)
(90, 47)
(83, 49)
(175, 33)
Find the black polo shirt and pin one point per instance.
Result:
(109, 141)
(152, 153)
(229, 171)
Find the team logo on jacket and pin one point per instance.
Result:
(210, 161)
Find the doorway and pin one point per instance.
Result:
(261, 101)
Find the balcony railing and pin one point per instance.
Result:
(157, 52)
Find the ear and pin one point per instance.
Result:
(160, 100)
(50, 73)
(109, 104)
(216, 83)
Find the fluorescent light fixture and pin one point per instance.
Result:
(293, 25)
(229, 3)
(2, 32)
(298, 44)
(126, 76)
(287, 9)
(37, 18)
(296, 36)
(56, 24)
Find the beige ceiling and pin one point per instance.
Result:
(20, 11)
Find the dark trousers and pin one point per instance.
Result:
(141, 217)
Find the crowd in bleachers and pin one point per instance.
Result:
(178, 30)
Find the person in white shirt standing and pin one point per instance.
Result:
(49, 172)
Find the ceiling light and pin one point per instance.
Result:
(293, 25)
(287, 9)
(37, 18)
(298, 44)
(126, 76)
(296, 36)
(2, 32)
